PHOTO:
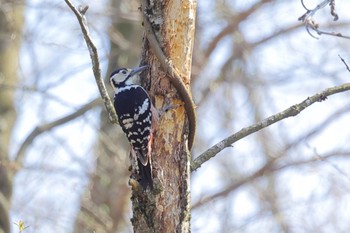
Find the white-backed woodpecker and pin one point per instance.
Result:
(134, 109)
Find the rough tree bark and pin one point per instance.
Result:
(166, 207)
(11, 23)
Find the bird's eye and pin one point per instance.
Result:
(124, 71)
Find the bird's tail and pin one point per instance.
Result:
(145, 174)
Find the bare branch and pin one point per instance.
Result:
(310, 23)
(333, 13)
(49, 126)
(346, 65)
(80, 14)
(289, 112)
(309, 13)
(303, 4)
(336, 34)
(83, 9)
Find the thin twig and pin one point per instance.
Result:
(173, 76)
(310, 23)
(346, 65)
(80, 14)
(336, 34)
(289, 112)
(309, 13)
(303, 4)
(49, 126)
(333, 13)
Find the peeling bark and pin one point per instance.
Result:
(166, 207)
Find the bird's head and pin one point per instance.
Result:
(124, 76)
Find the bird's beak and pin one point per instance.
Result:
(138, 70)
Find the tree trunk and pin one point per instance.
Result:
(11, 23)
(166, 207)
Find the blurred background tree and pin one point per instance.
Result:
(11, 25)
(251, 59)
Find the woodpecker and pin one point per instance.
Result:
(134, 109)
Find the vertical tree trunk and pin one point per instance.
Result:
(11, 23)
(166, 207)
